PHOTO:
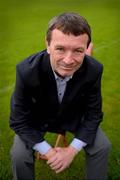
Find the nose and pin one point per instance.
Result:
(68, 58)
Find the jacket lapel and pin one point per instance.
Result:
(49, 80)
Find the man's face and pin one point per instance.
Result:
(66, 52)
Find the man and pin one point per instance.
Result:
(59, 90)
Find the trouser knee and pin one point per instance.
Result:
(22, 160)
(101, 144)
(106, 147)
(19, 152)
(17, 157)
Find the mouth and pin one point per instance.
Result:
(67, 67)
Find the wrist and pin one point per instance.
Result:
(72, 150)
(78, 144)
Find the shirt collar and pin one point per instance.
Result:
(67, 78)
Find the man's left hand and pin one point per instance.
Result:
(62, 159)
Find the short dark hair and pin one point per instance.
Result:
(69, 23)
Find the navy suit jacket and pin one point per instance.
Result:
(34, 104)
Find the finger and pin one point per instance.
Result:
(63, 167)
(55, 163)
(51, 160)
(57, 166)
(60, 169)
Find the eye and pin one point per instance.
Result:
(60, 49)
(79, 51)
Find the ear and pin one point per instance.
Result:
(47, 46)
(89, 50)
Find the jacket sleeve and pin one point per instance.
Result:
(93, 113)
(20, 115)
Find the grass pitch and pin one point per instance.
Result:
(22, 29)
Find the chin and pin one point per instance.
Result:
(63, 73)
(66, 74)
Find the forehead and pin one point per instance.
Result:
(59, 38)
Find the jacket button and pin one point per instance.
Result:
(45, 125)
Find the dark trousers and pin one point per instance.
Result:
(96, 159)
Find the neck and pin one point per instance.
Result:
(59, 75)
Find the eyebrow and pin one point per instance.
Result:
(81, 48)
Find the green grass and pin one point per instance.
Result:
(22, 29)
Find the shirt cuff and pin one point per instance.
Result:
(42, 147)
(78, 144)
